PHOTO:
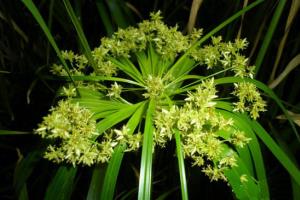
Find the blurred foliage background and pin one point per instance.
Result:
(26, 95)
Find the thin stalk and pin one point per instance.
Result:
(267, 39)
(212, 32)
(82, 38)
(179, 152)
(36, 14)
(145, 181)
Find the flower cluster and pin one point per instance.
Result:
(167, 42)
(73, 133)
(227, 55)
(199, 124)
(249, 99)
(77, 62)
(71, 129)
(154, 87)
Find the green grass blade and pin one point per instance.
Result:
(115, 7)
(269, 35)
(115, 118)
(179, 153)
(111, 175)
(93, 78)
(256, 153)
(144, 62)
(145, 181)
(241, 122)
(23, 170)
(292, 169)
(286, 148)
(166, 194)
(264, 88)
(187, 65)
(36, 14)
(104, 17)
(128, 67)
(107, 189)
(129, 194)
(96, 105)
(24, 193)
(243, 190)
(86, 93)
(179, 62)
(80, 33)
(101, 115)
(96, 182)
(296, 191)
(153, 58)
(61, 186)
(9, 132)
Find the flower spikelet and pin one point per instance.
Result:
(72, 131)
(249, 99)
(198, 123)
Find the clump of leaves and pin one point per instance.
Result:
(152, 77)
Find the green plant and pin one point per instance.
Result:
(118, 95)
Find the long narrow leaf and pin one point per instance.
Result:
(126, 66)
(179, 62)
(264, 88)
(62, 184)
(115, 118)
(92, 78)
(36, 14)
(115, 7)
(111, 175)
(292, 169)
(179, 152)
(145, 181)
(105, 17)
(9, 132)
(144, 62)
(244, 190)
(241, 122)
(24, 193)
(269, 35)
(96, 182)
(23, 170)
(82, 38)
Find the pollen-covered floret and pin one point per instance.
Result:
(72, 133)
(198, 124)
(249, 99)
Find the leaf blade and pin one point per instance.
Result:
(61, 185)
(111, 175)
(179, 153)
(145, 180)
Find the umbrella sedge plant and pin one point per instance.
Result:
(148, 85)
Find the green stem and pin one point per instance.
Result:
(267, 39)
(183, 183)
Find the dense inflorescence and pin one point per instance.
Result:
(72, 131)
(199, 124)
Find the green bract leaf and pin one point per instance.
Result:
(62, 184)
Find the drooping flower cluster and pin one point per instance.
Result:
(199, 123)
(227, 55)
(249, 99)
(72, 132)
